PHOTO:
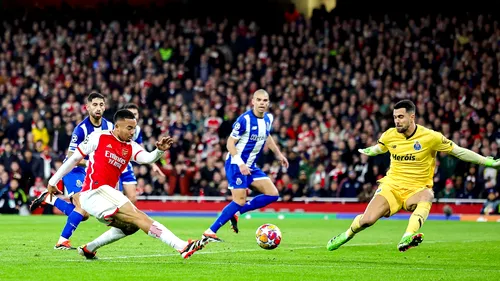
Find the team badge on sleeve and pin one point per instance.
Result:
(236, 130)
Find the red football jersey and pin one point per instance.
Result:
(108, 157)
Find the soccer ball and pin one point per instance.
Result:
(268, 236)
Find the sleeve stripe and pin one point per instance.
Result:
(81, 152)
(135, 156)
(381, 142)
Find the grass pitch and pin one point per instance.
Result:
(451, 250)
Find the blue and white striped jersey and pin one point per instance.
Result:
(84, 129)
(138, 135)
(251, 133)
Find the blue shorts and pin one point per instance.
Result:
(236, 180)
(127, 177)
(73, 181)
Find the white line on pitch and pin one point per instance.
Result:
(258, 249)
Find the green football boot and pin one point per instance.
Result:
(337, 241)
(410, 241)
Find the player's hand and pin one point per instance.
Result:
(367, 151)
(164, 143)
(157, 170)
(53, 190)
(283, 160)
(496, 164)
(244, 170)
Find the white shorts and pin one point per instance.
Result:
(103, 202)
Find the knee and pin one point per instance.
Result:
(81, 211)
(427, 196)
(273, 192)
(129, 229)
(132, 198)
(86, 216)
(367, 220)
(240, 201)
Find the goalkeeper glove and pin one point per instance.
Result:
(490, 162)
(367, 151)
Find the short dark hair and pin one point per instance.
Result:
(123, 114)
(131, 106)
(94, 95)
(406, 104)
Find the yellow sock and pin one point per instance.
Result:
(355, 226)
(418, 217)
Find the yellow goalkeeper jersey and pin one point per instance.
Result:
(413, 158)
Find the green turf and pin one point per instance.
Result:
(451, 251)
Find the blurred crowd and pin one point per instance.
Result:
(332, 84)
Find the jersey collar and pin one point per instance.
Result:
(90, 121)
(256, 115)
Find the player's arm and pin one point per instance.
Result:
(239, 129)
(464, 154)
(275, 149)
(65, 168)
(141, 156)
(467, 155)
(76, 138)
(377, 149)
(88, 146)
(153, 165)
(231, 148)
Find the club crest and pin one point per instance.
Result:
(417, 146)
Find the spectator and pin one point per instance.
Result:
(448, 191)
(40, 133)
(12, 198)
(332, 84)
(37, 189)
(492, 204)
(350, 186)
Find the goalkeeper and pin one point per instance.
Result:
(408, 183)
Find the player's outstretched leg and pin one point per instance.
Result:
(421, 203)
(128, 213)
(60, 204)
(270, 195)
(377, 208)
(117, 231)
(239, 198)
(258, 202)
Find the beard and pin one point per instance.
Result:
(95, 116)
(403, 129)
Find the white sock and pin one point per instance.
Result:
(406, 234)
(61, 240)
(209, 231)
(108, 237)
(158, 230)
(48, 201)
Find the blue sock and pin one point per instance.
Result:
(72, 223)
(227, 213)
(259, 202)
(64, 206)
